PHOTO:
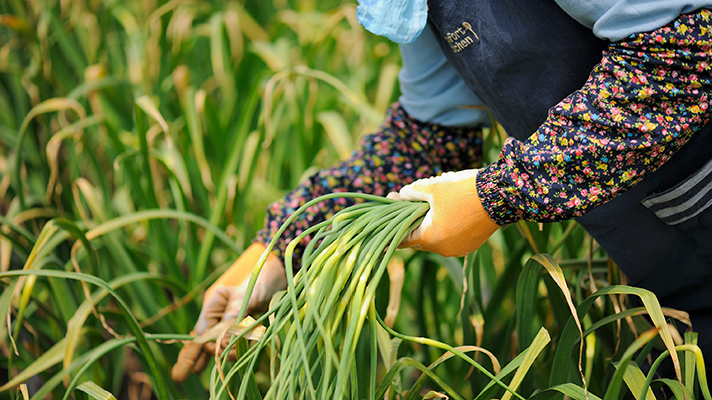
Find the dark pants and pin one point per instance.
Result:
(669, 253)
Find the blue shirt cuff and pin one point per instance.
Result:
(431, 89)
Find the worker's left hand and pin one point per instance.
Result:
(456, 224)
(223, 301)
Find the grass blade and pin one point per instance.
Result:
(569, 389)
(47, 360)
(95, 391)
(47, 106)
(540, 341)
(616, 382)
(635, 379)
(133, 323)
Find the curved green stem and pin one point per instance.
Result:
(441, 345)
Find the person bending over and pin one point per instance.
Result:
(607, 108)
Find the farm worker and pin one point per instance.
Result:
(606, 104)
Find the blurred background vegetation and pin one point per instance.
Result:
(140, 144)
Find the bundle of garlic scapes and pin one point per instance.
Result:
(315, 325)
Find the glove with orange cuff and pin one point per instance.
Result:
(456, 224)
(223, 300)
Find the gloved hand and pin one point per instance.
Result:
(223, 300)
(456, 224)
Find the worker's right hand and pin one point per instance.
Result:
(223, 300)
(457, 223)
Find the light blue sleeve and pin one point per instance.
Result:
(402, 21)
(432, 91)
(617, 19)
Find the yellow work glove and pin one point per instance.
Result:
(456, 224)
(223, 300)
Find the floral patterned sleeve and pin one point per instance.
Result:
(403, 150)
(646, 98)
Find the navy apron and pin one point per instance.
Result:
(521, 58)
